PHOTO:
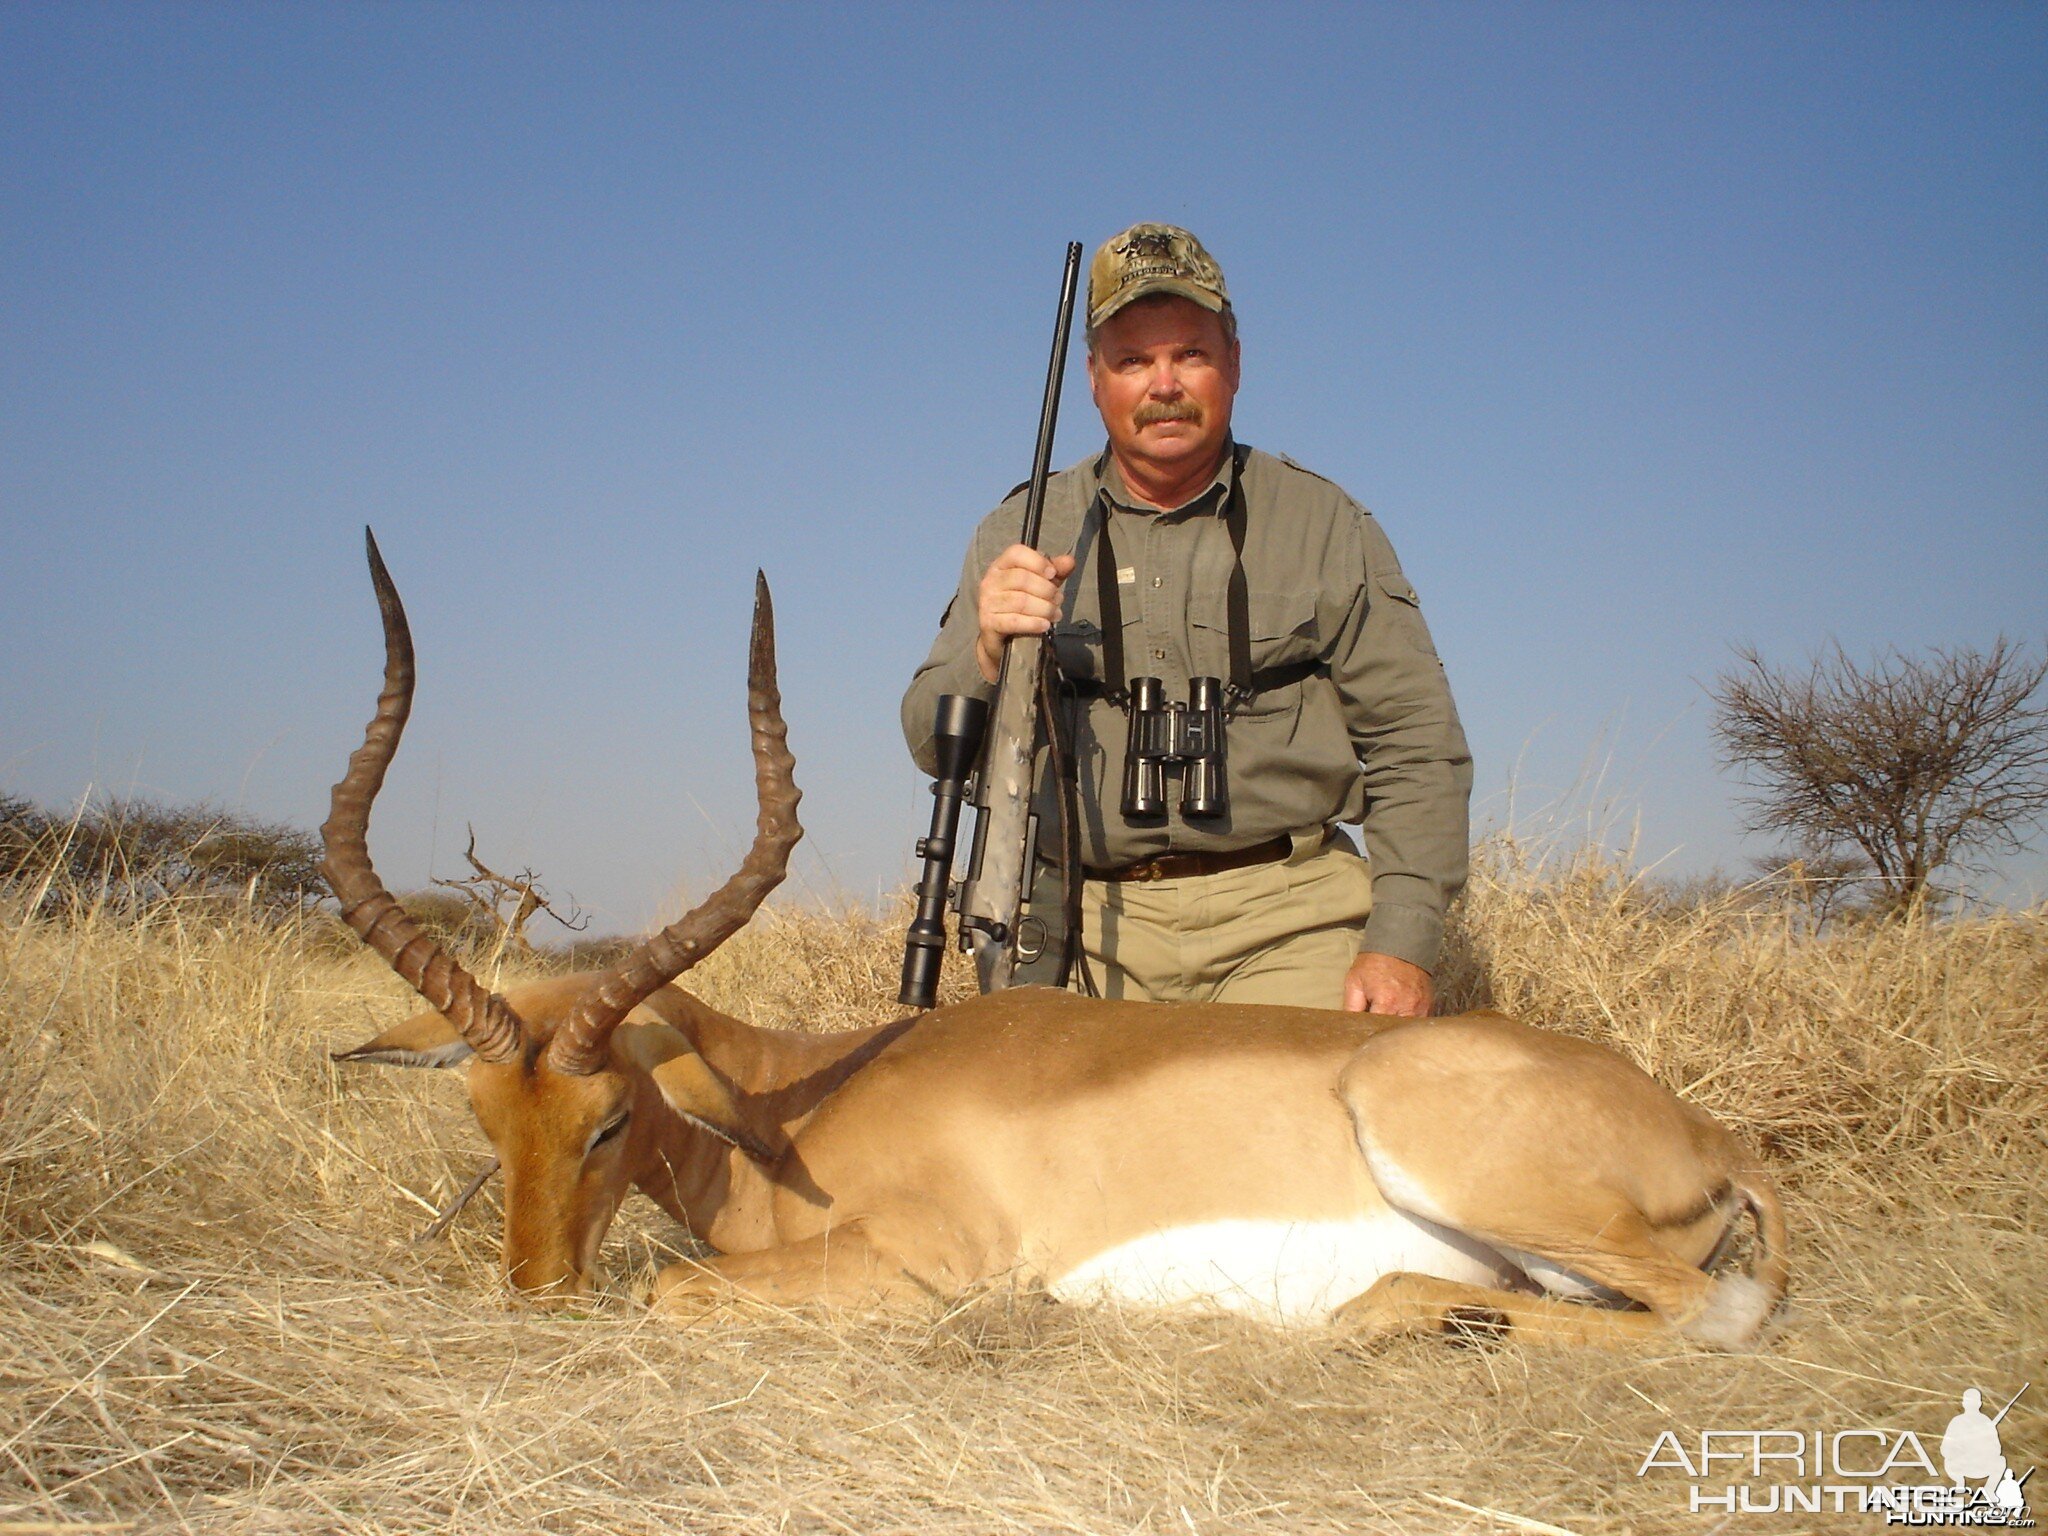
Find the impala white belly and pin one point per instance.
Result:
(1289, 1273)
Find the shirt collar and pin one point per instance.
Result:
(1209, 499)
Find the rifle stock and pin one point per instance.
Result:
(993, 895)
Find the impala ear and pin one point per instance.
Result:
(706, 1100)
(424, 1040)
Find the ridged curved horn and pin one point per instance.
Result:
(580, 1045)
(484, 1019)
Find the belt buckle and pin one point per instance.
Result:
(1145, 872)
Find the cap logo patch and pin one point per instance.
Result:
(1149, 253)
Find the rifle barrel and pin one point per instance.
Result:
(1049, 412)
(2008, 1407)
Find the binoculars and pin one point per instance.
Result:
(1161, 734)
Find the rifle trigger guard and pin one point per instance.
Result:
(1031, 938)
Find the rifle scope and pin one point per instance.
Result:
(957, 736)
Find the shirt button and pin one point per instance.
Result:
(1157, 654)
(1157, 580)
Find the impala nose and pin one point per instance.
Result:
(569, 1293)
(536, 1286)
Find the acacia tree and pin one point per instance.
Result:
(139, 851)
(23, 829)
(1915, 763)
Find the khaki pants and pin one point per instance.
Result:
(1284, 932)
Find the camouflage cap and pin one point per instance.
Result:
(1152, 258)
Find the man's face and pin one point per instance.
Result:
(1164, 376)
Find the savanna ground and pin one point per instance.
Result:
(213, 1315)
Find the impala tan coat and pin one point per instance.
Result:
(1294, 1165)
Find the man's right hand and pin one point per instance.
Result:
(1020, 595)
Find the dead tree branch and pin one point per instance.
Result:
(510, 902)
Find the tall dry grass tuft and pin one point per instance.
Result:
(213, 1315)
(1853, 1046)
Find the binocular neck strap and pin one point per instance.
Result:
(1242, 684)
(1115, 681)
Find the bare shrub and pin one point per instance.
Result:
(137, 851)
(1916, 763)
(23, 831)
(508, 903)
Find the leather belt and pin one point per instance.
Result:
(1182, 866)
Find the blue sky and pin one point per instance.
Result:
(1644, 329)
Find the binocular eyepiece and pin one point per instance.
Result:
(1189, 734)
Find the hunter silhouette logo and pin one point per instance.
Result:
(1971, 1453)
(1866, 1470)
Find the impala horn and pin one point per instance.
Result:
(484, 1019)
(582, 1043)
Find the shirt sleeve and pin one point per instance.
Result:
(951, 667)
(1412, 755)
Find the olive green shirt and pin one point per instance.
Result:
(1371, 738)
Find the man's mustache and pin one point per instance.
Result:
(1166, 410)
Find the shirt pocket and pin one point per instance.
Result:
(1077, 648)
(1077, 637)
(1284, 632)
(1403, 608)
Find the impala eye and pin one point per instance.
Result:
(607, 1133)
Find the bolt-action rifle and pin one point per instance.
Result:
(986, 756)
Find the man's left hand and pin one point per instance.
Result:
(1383, 984)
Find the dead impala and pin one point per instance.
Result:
(1290, 1164)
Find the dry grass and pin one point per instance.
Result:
(212, 1316)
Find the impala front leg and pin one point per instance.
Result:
(837, 1269)
(1406, 1303)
